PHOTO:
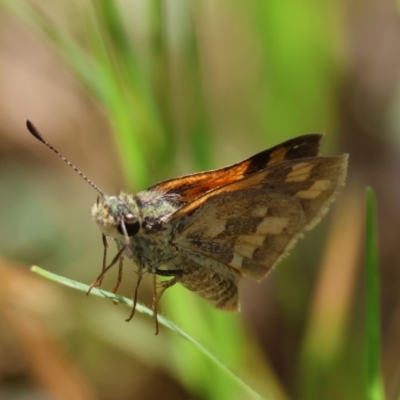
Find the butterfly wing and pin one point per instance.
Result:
(189, 187)
(250, 224)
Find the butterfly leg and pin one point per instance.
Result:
(105, 248)
(119, 279)
(120, 267)
(157, 296)
(96, 283)
(140, 275)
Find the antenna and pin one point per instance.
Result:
(33, 130)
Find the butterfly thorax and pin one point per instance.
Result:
(141, 218)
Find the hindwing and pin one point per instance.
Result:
(252, 223)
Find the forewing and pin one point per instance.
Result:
(189, 187)
(251, 224)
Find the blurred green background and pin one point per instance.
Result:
(134, 92)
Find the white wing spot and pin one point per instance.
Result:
(315, 190)
(244, 249)
(256, 240)
(300, 172)
(272, 226)
(259, 212)
(236, 261)
(214, 230)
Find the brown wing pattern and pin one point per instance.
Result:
(189, 187)
(250, 224)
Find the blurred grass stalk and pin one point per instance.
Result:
(374, 389)
(328, 322)
(325, 340)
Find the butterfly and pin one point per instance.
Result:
(208, 230)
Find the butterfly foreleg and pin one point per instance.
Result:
(99, 279)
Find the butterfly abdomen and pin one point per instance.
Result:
(218, 285)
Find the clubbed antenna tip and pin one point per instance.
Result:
(34, 131)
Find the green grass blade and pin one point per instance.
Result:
(373, 379)
(144, 310)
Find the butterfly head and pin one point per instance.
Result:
(117, 216)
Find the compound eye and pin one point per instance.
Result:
(132, 225)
